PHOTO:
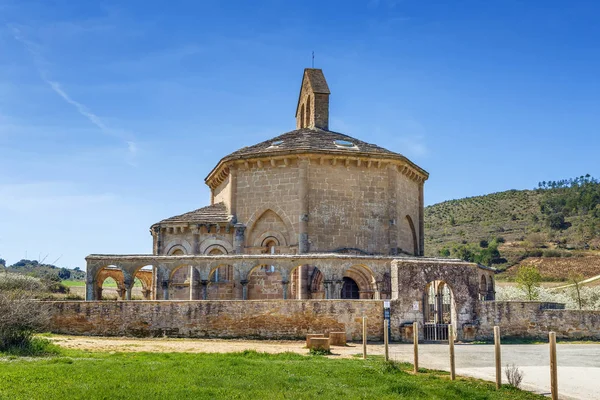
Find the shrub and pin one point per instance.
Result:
(12, 282)
(514, 375)
(37, 346)
(57, 287)
(20, 318)
(552, 253)
(319, 352)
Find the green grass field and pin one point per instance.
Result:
(108, 283)
(247, 375)
(73, 283)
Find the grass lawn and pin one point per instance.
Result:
(247, 375)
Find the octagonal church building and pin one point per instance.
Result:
(311, 214)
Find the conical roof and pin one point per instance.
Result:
(310, 140)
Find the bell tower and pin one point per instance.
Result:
(313, 102)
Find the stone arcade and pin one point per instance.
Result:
(311, 215)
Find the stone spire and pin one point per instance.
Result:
(313, 102)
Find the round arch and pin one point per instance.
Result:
(114, 272)
(207, 244)
(176, 246)
(439, 310)
(364, 278)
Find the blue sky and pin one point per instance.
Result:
(113, 112)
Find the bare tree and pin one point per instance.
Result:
(20, 314)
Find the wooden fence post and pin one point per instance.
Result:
(498, 357)
(553, 366)
(416, 346)
(364, 338)
(451, 345)
(386, 339)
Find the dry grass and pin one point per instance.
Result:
(558, 268)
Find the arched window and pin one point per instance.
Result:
(307, 111)
(350, 289)
(270, 244)
(483, 288)
(302, 116)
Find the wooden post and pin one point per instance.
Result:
(498, 357)
(451, 344)
(386, 339)
(416, 345)
(364, 338)
(553, 366)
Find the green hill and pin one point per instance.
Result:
(558, 219)
(42, 271)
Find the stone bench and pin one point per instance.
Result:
(312, 335)
(337, 338)
(319, 343)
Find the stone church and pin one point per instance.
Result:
(310, 214)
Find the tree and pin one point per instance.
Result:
(528, 279)
(64, 274)
(556, 221)
(3, 262)
(576, 280)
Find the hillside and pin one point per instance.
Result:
(42, 271)
(558, 219)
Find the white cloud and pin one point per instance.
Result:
(36, 52)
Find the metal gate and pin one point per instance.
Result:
(433, 332)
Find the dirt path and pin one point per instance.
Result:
(165, 345)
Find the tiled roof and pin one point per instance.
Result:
(216, 213)
(317, 80)
(311, 139)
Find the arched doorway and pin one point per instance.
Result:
(350, 289)
(439, 311)
(363, 279)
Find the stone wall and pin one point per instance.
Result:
(272, 190)
(351, 205)
(533, 320)
(274, 319)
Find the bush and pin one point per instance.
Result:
(12, 282)
(37, 346)
(20, 318)
(514, 375)
(552, 253)
(319, 352)
(57, 287)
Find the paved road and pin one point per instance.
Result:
(578, 365)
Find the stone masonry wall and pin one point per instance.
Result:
(348, 208)
(274, 319)
(407, 204)
(268, 188)
(531, 320)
